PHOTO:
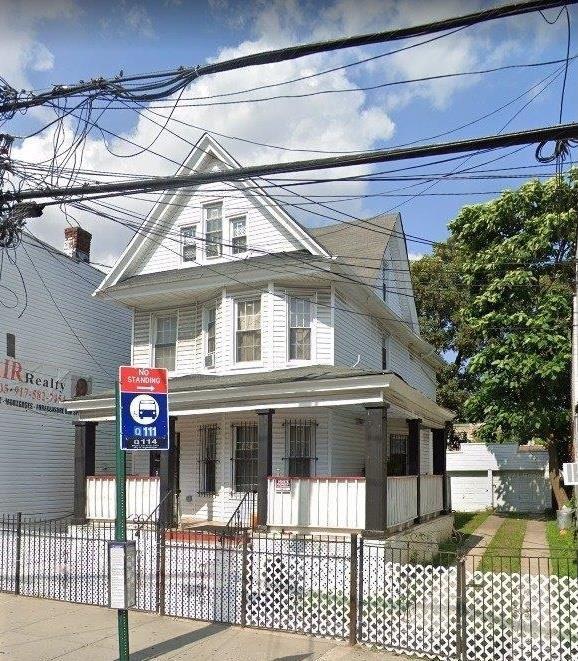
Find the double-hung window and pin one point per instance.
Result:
(209, 328)
(238, 235)
(213, 230)
(248, 331)
(245, 457)
(165, 344)
(300, 436)
(208, 459)
(300, 316)
(189, 243)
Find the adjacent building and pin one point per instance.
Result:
(56, 341)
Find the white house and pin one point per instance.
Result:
(297, 371)
(57, 341)
(502, 476)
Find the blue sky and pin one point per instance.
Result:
(67, 40)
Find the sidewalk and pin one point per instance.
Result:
(43, 630)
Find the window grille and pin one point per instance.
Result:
(166, 341)
(397, 455)
(208, 459)
(238, 235)
(189, 244)
(214, 230)
(244, 459)
(299, 329)
(154, 463)
(248, 331)
(300, 447)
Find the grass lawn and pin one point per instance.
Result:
(562, 550)
(464, 523)
(504, 550)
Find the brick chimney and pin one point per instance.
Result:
(77, 243)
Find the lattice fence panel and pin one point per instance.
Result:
(521, 617)
(407, 607)
(204, 580)
(299, 585)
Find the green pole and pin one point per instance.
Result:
(120, 525)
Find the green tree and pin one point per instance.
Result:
(517, 254)
(441, 293)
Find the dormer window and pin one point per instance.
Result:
(189, 243)
(238, 235)
(213, 230)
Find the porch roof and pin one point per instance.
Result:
(299, 387)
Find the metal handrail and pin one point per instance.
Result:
(230, 528)
(170, 492)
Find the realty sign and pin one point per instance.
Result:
(144, 411)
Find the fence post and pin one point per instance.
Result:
(161, 562)
(353, 578)
(244, 577)
(18, 552)
(461, 639)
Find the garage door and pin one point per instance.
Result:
(521, 491)
(470, 491)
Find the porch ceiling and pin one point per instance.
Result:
(305, 387)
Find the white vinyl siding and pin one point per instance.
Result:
(37, 455)
(141, 339)
(264, 230)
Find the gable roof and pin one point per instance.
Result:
(207, 154)
(358, 242)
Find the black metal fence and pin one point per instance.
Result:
(405, 597)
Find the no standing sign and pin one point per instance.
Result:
(144, 412)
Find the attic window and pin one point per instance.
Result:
(214, 230)
(189, 244)
(238, 235)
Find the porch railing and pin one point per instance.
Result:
(431, 494)
(401, 499)
(142, 497)
(317, 502)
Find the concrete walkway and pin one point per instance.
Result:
(43, 630)
(480, 539)
(535, 550)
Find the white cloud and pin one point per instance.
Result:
(352, 121)
(21, 49)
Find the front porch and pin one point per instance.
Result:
(326, 455)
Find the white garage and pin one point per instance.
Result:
(504, 477)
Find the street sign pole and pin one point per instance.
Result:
(120, 525)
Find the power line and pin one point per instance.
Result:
(172, 81)
(564, 132)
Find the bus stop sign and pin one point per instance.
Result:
(144, 412)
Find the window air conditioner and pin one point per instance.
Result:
(210, 360)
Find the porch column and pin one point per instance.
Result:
(167, 482)
(264, 462)
(440, 445)
(84, 463)
(376, 468)
(414, 457)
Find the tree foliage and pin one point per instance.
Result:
(498, 297)
(518, 253)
